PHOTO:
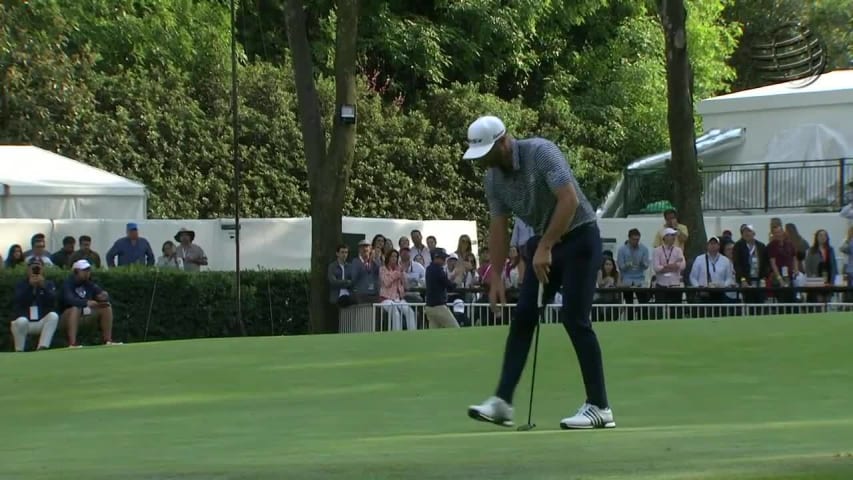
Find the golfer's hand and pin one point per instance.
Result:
(542, 263)
(497, 296)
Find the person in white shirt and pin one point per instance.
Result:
(415, 275)
(712, 269)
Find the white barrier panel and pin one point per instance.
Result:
(19, 231)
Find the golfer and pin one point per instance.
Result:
(531, 179)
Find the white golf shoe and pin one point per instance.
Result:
(589, 417)
(494, 410)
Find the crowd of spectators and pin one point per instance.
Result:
(398, 278)
(41, 307)
(131, 249)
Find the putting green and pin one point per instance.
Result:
(732, 399)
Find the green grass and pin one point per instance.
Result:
(734, 399)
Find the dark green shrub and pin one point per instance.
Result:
(198, 305)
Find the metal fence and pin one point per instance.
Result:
(756, 186)
(382, 318)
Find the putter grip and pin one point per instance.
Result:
(541, 294)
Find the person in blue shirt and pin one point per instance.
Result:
(131, 249)
(437, 286)
(83, 299)
(633, 260)
(35, 305)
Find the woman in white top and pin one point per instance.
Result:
(170, 259)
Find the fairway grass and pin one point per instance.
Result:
(733, 399)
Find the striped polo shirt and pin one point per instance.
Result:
(538, 169)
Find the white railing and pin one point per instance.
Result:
(381, 318)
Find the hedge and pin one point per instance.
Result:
(185, 305)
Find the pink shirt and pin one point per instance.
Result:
(663, 255)
(391, 284)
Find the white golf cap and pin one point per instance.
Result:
(482, 135)
(81, 265)
(453, 256)
(670, 231)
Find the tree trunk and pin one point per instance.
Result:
(328, 169)
(684, 166)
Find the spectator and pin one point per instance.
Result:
(608, 277)
(420, 259)
(484, 272)
(191, 255)
(437, 286)
(512, 278)
(711, 270)
(170, 258)
(130, 250)
(847, 249)
(800, 244)
(365, 273)
(729, 252)
(14, 257)
(62, 257)
(432, 244)
(668, 262)
(82, 299)
(418, 248)
(40, 252)
(392, 291)
(463, 246)
(820, 262)
(377, 247)
(415, 274)
(783, 264)
(33, 240)
(751, 265)
(727, 237)
(387, 246)
(339, 274)
(86, 252)
(774, 222)
(404, 242)
(35, 301)
(632, 260)
(670, 221)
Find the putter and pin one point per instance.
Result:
(530, 425)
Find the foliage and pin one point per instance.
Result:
(184, 305)
(143, 90)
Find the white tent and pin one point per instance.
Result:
(41, 184)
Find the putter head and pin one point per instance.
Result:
(527, 427)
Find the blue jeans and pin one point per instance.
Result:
(575, 262)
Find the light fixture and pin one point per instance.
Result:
(348, 113)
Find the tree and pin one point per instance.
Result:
(328, 167)
(682, 139)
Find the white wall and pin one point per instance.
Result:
(264, 242)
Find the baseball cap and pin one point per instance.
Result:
(747, 227)
(714, 239)
(453, 256)
(364, 243)
(482, 135)
(132, 226)
(670, 231)
(81, 265)
(439, 253)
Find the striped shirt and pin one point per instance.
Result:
(528, 192)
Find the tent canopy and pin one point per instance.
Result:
(831, 88)
(41, 184)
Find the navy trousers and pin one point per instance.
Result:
(575, 262)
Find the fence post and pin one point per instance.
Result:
(766, 187)
(841, 182)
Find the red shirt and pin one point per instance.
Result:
(784, 253)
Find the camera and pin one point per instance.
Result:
(36, 270)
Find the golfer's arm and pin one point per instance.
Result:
(564, 213)
(498, 245)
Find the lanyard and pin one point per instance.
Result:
(668, 255)
(714, 263)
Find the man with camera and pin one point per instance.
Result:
(81, 300)
(35, 298)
